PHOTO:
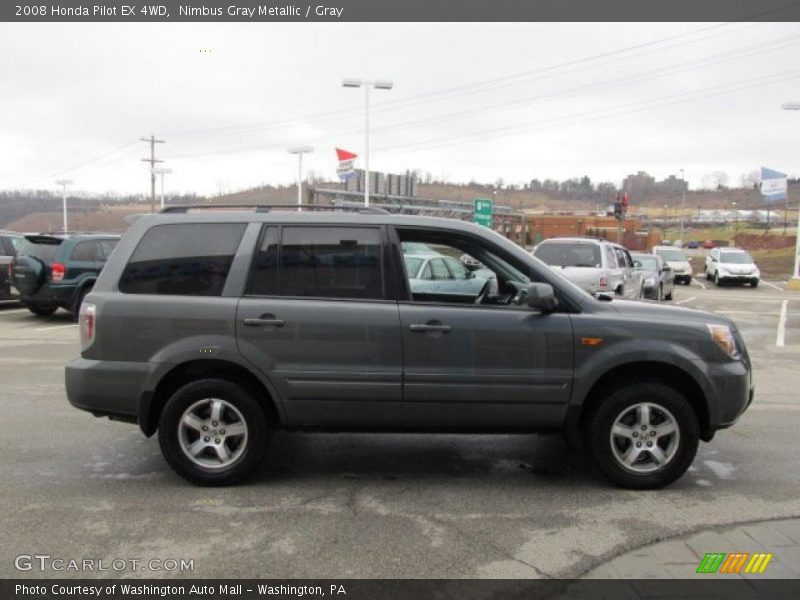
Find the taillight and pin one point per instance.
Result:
(57, 271)
(603, 282)
(87, 323)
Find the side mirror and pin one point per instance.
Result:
(540, 296)
(666, 269)
(637, 264)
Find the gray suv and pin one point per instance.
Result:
(213, 328)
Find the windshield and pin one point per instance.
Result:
(736, 258)
(44, 252)
(648, 261)
(671, 254)
(569, 254)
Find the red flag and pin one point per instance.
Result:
(345, 155)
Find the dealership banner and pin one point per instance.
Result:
(709, 586)
(773, 185)
(406, 10)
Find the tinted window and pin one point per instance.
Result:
(188, 259)
(88, 251)
(569, 254)
(44, 252)
(331, 262)
(264, 276)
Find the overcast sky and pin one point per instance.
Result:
(471, 101)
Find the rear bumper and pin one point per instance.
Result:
(106, 388)
(51, 295)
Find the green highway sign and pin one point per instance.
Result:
(482, 212)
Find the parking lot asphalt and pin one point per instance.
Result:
(345, 505)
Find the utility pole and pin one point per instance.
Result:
(152, 160)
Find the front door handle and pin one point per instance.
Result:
(422, 328)
(261, 322)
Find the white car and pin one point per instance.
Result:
(731, 265)
(677, 261)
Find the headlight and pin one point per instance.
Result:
(723, 337)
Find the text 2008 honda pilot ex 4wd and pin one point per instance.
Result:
(213, 328)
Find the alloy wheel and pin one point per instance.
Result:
(644, 437)
(212, 433)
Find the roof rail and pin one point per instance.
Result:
(184, 208)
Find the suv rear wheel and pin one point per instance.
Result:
(643, 435)
(213, 432)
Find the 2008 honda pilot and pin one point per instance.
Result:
(214, 328)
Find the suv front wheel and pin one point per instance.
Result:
(643, 435)
(213, 432)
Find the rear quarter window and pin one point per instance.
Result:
(185, 259)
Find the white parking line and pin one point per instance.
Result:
(698, 282)
(780, 338)
(13, 311)
(56, 327)
(689, 299)
(777, 287)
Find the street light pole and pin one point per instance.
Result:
(64, 183)
(299, 151)
(794, 282)
(162, 172)
(378, 85)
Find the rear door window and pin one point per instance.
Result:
(185, 259)
(331, 262)
(88, 251)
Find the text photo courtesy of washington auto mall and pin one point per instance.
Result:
(400, 300)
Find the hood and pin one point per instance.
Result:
(665, 313)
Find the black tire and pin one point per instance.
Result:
(598, 425)
(708, 275)
(688, 281)
(717, 281)
(668, 297)
(242, 400)
(76, 309)
(41, 310)
(754, 283)
(660, 293)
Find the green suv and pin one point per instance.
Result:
(53, 271)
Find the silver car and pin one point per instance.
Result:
(434, 273)
(595, 265)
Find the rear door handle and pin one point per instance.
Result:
(422, 328)
(262, 322)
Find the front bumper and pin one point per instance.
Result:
(107, 388)
(733, 384)
(738, 278)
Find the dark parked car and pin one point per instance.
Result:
(693, 245)
(9, 241)
(214, 328)
(54, 270)
(659, 279)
